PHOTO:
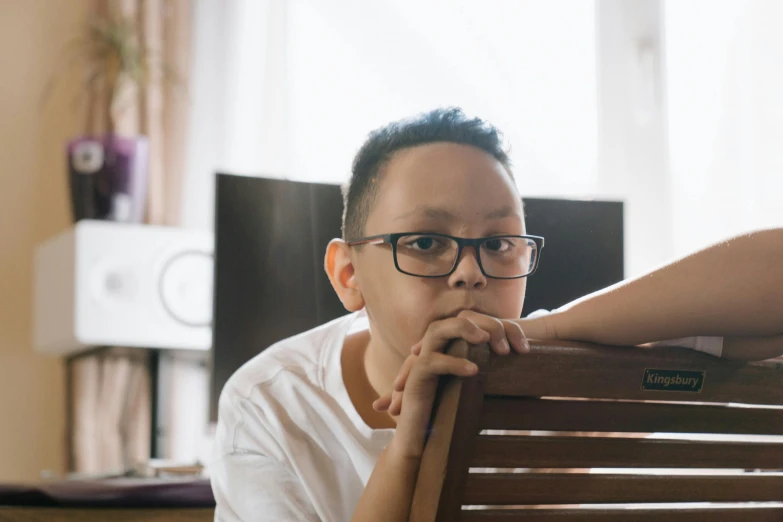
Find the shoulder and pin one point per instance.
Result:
(290, 371)
(301, 355)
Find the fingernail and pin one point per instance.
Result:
(504, 345)
(526, 345)
(471, 367)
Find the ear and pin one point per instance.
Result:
(339, 266)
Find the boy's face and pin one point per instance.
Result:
(443, 188)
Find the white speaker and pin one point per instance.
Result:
(104, 283)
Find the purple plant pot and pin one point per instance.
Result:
(108, 177)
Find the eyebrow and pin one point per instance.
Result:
(444, 215)
(502, 212)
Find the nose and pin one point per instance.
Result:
(468, 273)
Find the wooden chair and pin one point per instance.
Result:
(620, 393)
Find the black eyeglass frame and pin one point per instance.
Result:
(462, 242)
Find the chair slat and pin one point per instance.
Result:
(495, 451)
(527, 413)
(619, 373)
(749, 514)
(564, 488)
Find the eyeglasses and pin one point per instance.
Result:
(436, 255)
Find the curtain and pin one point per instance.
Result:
(291, 89)
(109, 392)
(725, 109)
(238, 90)
(109, 413)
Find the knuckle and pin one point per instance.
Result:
(425, 360)
(496, 326)
(512, 327)
(434, 328)
(464, 322)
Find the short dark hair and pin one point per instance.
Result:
(439, 125)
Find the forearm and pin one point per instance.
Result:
(389, 492)
(752, 348)
(734, 288)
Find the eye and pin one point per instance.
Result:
(424, 243)
(498, 244)
(421, 243)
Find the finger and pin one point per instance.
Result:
(382, 403)
(399, 384)
(395, 408)
(516, 336)
(402, 375)
(494, 326)
(439, 333)
(435, 364)
(420, 392)
(416, 348)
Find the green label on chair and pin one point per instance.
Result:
(672, 380)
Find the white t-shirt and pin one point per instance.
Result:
(290, 445)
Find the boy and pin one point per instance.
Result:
(435, 248)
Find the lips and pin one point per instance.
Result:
(456, 311)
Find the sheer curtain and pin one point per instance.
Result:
(290, 89)
(724, 83)
(672, 106)
(109, 394)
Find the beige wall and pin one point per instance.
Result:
(33, 206)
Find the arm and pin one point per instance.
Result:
(753, 348)
(388, 494)
(732, 289)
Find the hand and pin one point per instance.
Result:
(417, 379)
(502, 333)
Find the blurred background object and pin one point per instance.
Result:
(122, 65)
(108, 173)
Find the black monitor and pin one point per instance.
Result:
(270, 240)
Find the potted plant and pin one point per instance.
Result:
(108, 171)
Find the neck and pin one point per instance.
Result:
(381, 364)
(369, 372)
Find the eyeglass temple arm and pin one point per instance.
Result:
(372, 240)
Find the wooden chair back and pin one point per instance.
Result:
(559, 434)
